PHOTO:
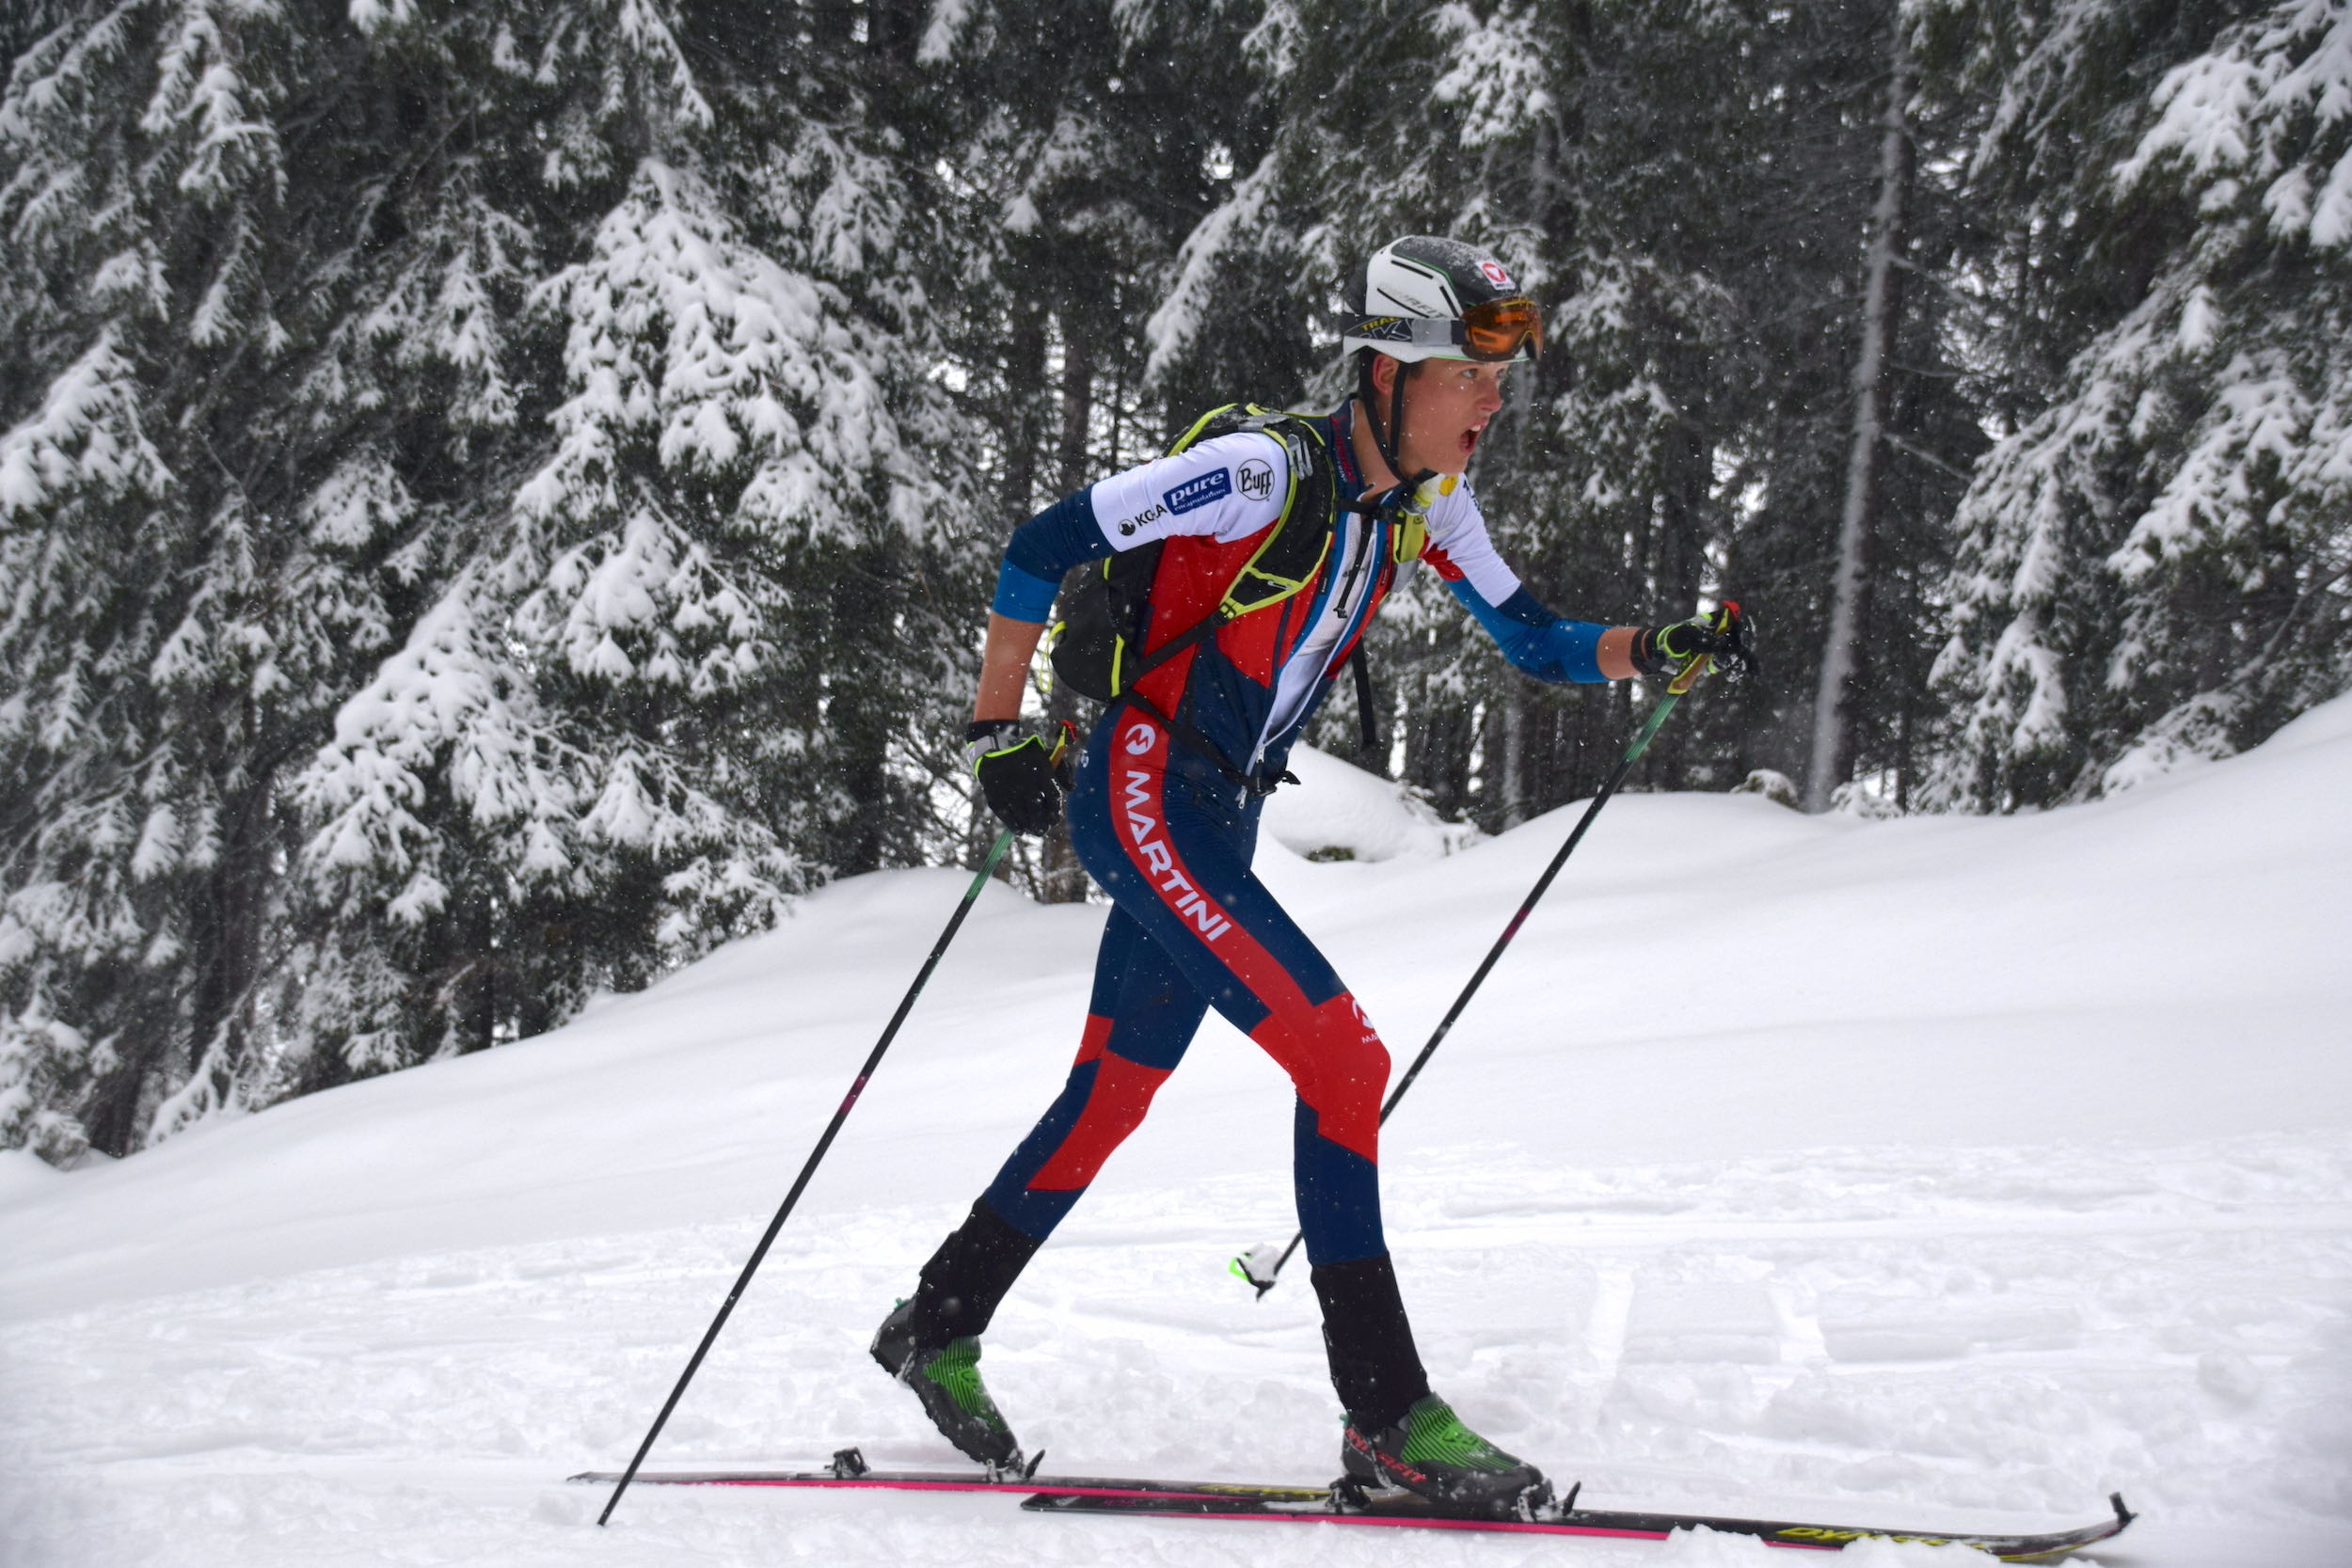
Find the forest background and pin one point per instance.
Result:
(495, 498)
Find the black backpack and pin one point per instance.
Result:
(1098, 648)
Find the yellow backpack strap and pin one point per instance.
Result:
(1185, 441)
(1286, 562)
(1412, 529)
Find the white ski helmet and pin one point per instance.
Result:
(1431, 298)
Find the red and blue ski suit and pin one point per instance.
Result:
(1170, 835)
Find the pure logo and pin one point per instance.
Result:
(1257, 480)
(1196, 493)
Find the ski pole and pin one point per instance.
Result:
(873, 1059)
(1674, 690)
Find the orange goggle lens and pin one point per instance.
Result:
(1494, 331)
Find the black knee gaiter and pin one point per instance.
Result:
(968, 1277)
(1373, 1364)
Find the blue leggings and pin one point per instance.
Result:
(1192, 928)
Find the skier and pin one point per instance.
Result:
(1164, 814)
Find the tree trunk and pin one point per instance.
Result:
(1061, 879)
(1025, 388)
(1512, 786)
(1841, 652)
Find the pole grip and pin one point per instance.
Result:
(1689, 676)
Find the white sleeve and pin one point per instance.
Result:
(1224, 489)
(1459, 547)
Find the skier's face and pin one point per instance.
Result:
(1448, 404)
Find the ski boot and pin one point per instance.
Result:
(1430, 1453)
(947, 1379)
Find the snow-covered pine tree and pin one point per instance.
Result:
(2152, 563)
(169, 640)
(672, 681)
(487, 404)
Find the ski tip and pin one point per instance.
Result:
(2124, 1517)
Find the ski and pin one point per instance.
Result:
(1347, 1503)
(848, 1471)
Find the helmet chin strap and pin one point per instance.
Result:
(1390, 440)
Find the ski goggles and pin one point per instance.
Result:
(1491, 333)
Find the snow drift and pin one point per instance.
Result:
(1944, 1171)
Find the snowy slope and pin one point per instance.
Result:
(1936, 1171)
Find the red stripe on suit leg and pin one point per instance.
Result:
(1122, 1093)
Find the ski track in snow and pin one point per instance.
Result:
(2047, 1234)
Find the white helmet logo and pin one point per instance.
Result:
(1494, 274)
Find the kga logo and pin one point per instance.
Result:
(1193, 494)
(1147, 514)
(1257, 478)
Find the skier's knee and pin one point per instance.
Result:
(1339, 1067)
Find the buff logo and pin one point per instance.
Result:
(1193, 494)
(1151, 845)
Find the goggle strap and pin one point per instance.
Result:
(1418, 331)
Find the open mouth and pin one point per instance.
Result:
(1470, 441)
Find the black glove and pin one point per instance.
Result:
(1727, 637)
(1024, 773)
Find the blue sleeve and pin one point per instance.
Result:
(1040, 554)
(1533, 638)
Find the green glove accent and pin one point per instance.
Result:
(1727, 639)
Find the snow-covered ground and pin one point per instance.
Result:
(1928, 1172)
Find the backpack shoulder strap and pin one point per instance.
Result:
(1285, 562)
